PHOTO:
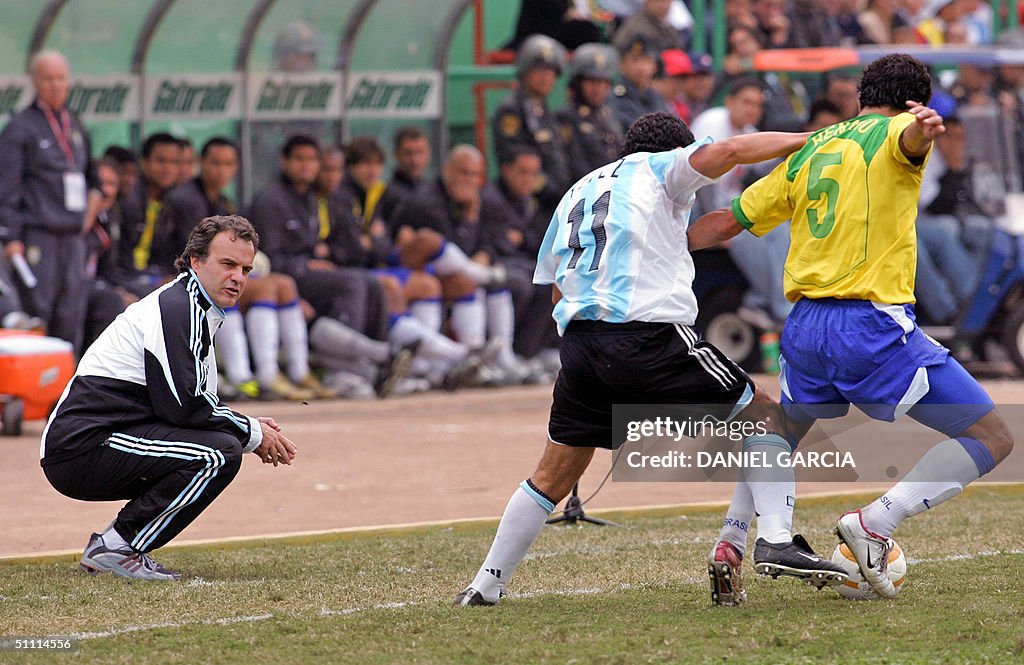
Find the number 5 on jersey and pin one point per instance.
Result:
(598, 213)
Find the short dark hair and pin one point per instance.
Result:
(198, 243)
(516, 151)
(743, 83)
(363, 149)
(298, 141)
(822, 106)
(121, 155)
(656, 132)
(184, 143)
(892, 80)
(154, 140)
(409, 133)
(217, 142)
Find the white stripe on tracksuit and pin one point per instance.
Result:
(708, 360)
(179, 450)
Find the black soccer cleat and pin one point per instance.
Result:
(796, 559)
(470, 597)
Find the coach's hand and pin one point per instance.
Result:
(276, 447)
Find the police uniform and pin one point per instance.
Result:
(593, 135)
(629, 103)
(523, 120)
(44, 178)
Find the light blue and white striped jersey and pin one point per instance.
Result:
(616, 246)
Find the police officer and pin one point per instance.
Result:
(524, 118)
(635, 95)
(591, 130)
(43, 198)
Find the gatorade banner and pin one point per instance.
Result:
(281, 96)
(193, 97)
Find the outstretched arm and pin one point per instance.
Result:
(715, 227)
(917, 138)
(717, 159)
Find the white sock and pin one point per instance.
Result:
(520, 525)
(429, 312)
(738, 518)
(234, 347)
(264, 341)
(294, 340)
(469, 321)
(938, 476)
(501, 316)
(406, 330)
(453, 261)
(773, 489)
(113, 540)
(333, 337)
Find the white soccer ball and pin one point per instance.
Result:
(857, 588)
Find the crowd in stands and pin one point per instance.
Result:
(372, 284)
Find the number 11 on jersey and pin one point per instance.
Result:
(598, 213)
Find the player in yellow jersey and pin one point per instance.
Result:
(852, 195)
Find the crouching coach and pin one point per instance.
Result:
(141, 421)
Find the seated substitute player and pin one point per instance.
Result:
(141, 419)
(634, 342)
(852, 194)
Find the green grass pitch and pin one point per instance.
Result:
(637, 594)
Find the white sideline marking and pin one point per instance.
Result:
(327, 612)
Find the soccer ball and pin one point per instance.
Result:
(857, 588)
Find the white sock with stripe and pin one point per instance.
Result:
(738, 518)
(469, 320)
(264, 339)
(429, 312)
(520, 525)
(233, 347)
(333, 337)
(773, 489)
(294, 340)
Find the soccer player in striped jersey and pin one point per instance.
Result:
(616, 255)
(852, 195)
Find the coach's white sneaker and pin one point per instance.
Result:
(124, 562)
(871, 551)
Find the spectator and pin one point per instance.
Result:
(781, 94)
(592, 132)
(187, 166)
(412, 160)
(822, 114)
(773, 26)
(45, 180)
(146, 251)
(127, 168)
(635, 95)
(761, 260)
(689, 83)
(524, 118)
(651, 23)
(557, 19)
(510, 219)
(106, 298)
(841, 90)
(451, 208)
(952, 229)
(880, 19)
(814, 23)
(941, 16)
(268, 317)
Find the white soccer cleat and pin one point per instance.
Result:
(870, 550)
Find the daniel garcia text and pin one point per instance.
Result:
(755, 459)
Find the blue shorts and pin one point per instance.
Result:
(841, 352)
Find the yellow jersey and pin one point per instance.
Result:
(852, 196)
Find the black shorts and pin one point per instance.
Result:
(636, 363)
